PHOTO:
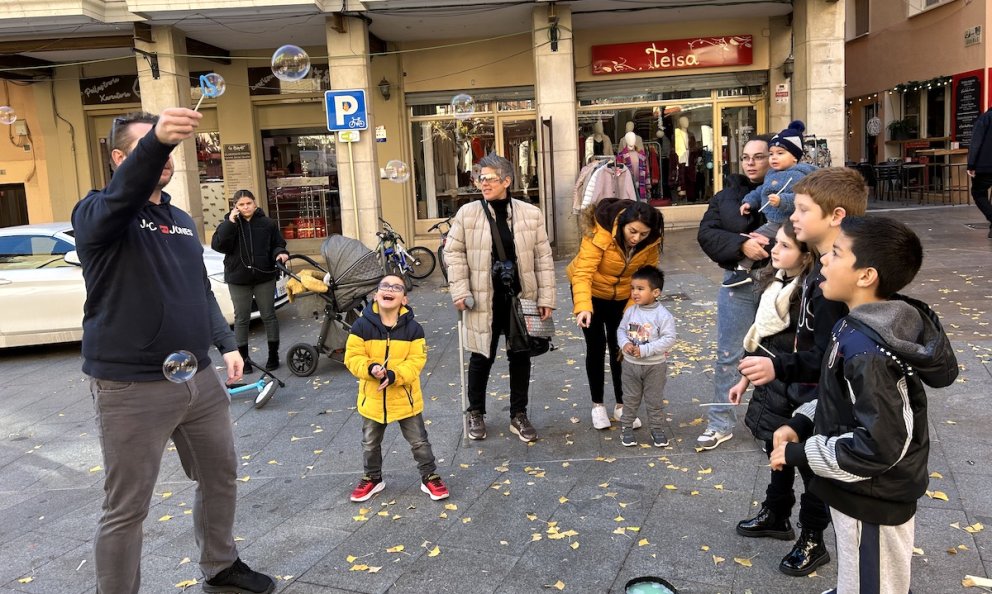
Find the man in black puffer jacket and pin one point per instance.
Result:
(723, 235)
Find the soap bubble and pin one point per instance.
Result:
(397, 171)
(463, 106)
(179, 367)
(290, 63)
(7, 115)
(212, 85)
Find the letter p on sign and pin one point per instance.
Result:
(346, 110)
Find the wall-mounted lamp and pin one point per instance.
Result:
(553, 34)
(788, 67)
(384, 88)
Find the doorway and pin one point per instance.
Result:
(13, 205)
(738, 123)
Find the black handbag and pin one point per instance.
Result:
(528, 332)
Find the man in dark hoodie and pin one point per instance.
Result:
(147, 296)
(980, 165)
(866, 437)
(724, 234)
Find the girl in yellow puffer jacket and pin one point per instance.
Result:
(622, 236)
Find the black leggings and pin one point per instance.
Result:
(780, 496)
(601, 336)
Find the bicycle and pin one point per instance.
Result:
(414, 263)
(265, 388)
(440, 248)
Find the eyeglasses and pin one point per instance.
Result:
(758, 157)
(489, 178)
(391, 288)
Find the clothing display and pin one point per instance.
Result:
(637, 163)
(602, 178)
(598, 145)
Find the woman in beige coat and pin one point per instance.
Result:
(479, 288)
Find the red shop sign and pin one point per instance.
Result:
(672, 54)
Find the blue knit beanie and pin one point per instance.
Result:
(791, 139)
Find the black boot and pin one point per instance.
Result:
(806, 555)
(273, 362)
(768, 524)
(244, 355)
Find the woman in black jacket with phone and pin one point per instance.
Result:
(251, 244)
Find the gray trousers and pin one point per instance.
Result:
(872, 559)
(265, 297)
(135, 421)
(647, 383)
(414, 432)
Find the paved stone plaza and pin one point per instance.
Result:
(574, 512)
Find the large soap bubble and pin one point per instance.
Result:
(290, 63)
(179, 367)
(463, 106)
(7, 115)
(212, 85)
(397, 171)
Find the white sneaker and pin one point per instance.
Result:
(710, 439)
(600, 420)
(618, 412)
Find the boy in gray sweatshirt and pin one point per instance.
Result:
(645, 334)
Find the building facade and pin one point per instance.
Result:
(918, 75)
(549, 85)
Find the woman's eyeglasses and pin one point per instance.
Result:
(489, 178)
(391, 288)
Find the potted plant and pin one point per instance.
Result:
(901, 129)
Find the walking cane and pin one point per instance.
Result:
(469, 304)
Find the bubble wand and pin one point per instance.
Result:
(782, 189)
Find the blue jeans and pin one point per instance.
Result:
(735, 310)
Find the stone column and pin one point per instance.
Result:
(554, 93)
(818, 83)
(172, 89)
(348, 61)
(780, 34)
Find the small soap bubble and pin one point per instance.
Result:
(7, 115)
(397, 171)
(212, 85)
(463, 106)
(290, 63)
(179, 367)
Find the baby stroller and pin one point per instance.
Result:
(352, 272)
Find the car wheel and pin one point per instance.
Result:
(302, 359)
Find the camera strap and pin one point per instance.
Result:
(497, 239)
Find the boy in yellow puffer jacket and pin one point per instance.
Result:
(386, 351)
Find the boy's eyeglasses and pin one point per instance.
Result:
(489, 178)
(391, 288)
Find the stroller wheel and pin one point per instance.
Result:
(302, 359)
(265, 394)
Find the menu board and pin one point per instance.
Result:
(967, 107)
(237, 168)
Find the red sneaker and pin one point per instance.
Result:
(366, 489)
(434, 487)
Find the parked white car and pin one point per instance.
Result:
(42, 290)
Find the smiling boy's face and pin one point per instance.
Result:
(391, 294)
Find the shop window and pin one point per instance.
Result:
(445, 151)
(937, 112)
(301, 181)
(675, 139)
(211, 169)
(911, 111)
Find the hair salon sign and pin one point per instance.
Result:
(672, 54)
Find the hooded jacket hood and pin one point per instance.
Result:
(913, 332)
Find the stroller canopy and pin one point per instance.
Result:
(354, 270)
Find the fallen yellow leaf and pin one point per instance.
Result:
(351, 558)
(374, 569)
(562, 499)
(167, 494)
(559, 585)
(434, 552)
(396, 549)
(742, 562)
(671, 487)
(936, 475)
(707, 470)
(574, 545)
(937, 495)
(29, 579)
(643, 542)
(165, 518)
(971, 581)
(976, 527)
(704, 548)
(718, 560)
(95, 469)
(359, 568)
(450, 506)
(918, 551)
(245, 479)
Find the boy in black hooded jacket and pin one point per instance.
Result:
(866, 437)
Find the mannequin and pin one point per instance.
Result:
(683, 170)
(662, 188)
(682, 141)
(639, 142)
(599, 143)
(636, 162)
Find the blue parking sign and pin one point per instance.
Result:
(346, 110)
